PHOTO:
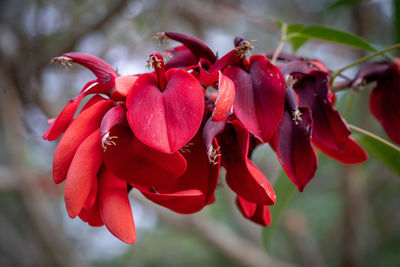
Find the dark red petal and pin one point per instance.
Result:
(115, 116)
(85, 124)
(63, 120)
(225, 98)
(260, 96)
(181, 57)
(370, 72)
(329, 127)
(195, 188)
(197, 46)
(122, 86)
(103, 71)
(255, 212)
(210, 131)
(351, 154)
(242, 176)
(138, 164)
(385, 102)
(115, 208)
(166, 120)
(292, 144)
(82, 174)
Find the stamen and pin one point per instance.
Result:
(213, 154)
(185, 148)
(107, 140)
(243, 47)
(290, 81)
(160, 36)
(65, 61)
(296, 116)
(157, 61)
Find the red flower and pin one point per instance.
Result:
(330, 133)
(385, 97)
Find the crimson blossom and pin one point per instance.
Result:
(168, 132)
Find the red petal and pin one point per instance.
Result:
(260, 96)
(82, 174)
(115, 208)
(255, 212)
(242, 176)
(63, 120)
(92, 215)
(103, 71)
(138, 164)
(113, 117)
(292, 144)
(95, 99)
(351, 154)
(197, 46)
(182, 57)
(85, 124)
(385, 102)
(184, 202)
(210, 131)
(166, 120)
(224, 101)
(195, 188)
(122, 86)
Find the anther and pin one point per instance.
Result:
(107, 140)
(65, 61)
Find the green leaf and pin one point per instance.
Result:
(342, 3)
(296, 42)
(332, 35)
(386, 154)
(284, 190)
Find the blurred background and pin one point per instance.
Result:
(348, 215)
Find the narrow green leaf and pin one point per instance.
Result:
(386, 154)
(296, 42)
(284, 190)
(342, 3)
(332, 35)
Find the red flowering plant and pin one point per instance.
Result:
(167, 133)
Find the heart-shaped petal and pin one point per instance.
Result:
(165, 120)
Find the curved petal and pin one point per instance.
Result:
(92, 215)
(257, 213)
(85, 124)
(197, 46)
(63, 120)
(115, 116)
(82, 174)
(184, 202)
(292, 144)
(103, 71)
(138, 164)
(260, 96)
(225, 98)
(166, 120)
(115, 208)
(329, 127)
(352, 153)
(385, 102)
(181, 57)
(242, 176)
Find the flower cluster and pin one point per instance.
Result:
(167, 133)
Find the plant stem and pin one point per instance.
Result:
(362, 60)
(365, 132)
(281, 44)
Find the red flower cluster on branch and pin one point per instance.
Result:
(167, 133)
